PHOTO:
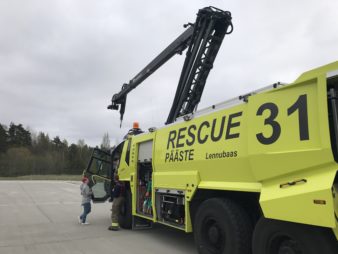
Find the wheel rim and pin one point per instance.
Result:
(281, 244)
(213, 235)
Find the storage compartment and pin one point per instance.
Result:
(170, 207)
(144, 189)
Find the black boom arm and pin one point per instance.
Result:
(203, 40)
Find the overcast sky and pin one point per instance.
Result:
(61, 61)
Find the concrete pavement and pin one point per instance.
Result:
(41, 217)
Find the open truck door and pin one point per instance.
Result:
(99, 172)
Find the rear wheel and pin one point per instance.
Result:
(222, 227)
(125, 217)
(279, 237)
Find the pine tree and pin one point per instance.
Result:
(18, 136)
(3, 139)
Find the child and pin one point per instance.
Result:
(86, 193)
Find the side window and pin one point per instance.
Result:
(116, 156)
(100, 163)
(128, 152)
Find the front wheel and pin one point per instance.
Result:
(222, 227)
(280, 237)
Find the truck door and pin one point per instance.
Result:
(100, 171)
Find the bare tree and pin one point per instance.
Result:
(81, 143)
(105, 145)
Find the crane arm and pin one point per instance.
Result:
(176, 47)
(211, 26)
(203, 40)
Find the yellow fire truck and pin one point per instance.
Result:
(255, 174)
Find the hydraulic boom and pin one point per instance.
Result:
(203, 40)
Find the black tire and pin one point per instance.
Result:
(222, 227)
(125, 217)
(280, 237)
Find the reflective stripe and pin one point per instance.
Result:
(115, 224)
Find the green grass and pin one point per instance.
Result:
(45, 177)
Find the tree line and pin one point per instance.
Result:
(24, 153)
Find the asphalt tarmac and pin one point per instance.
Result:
(41, 217)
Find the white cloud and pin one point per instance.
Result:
(61, 61)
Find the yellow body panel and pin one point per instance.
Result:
(297, 203)
(183, 180)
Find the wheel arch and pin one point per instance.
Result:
(248, 200)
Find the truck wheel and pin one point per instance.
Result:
(125, 218)
(280, 237)
(222, 227)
